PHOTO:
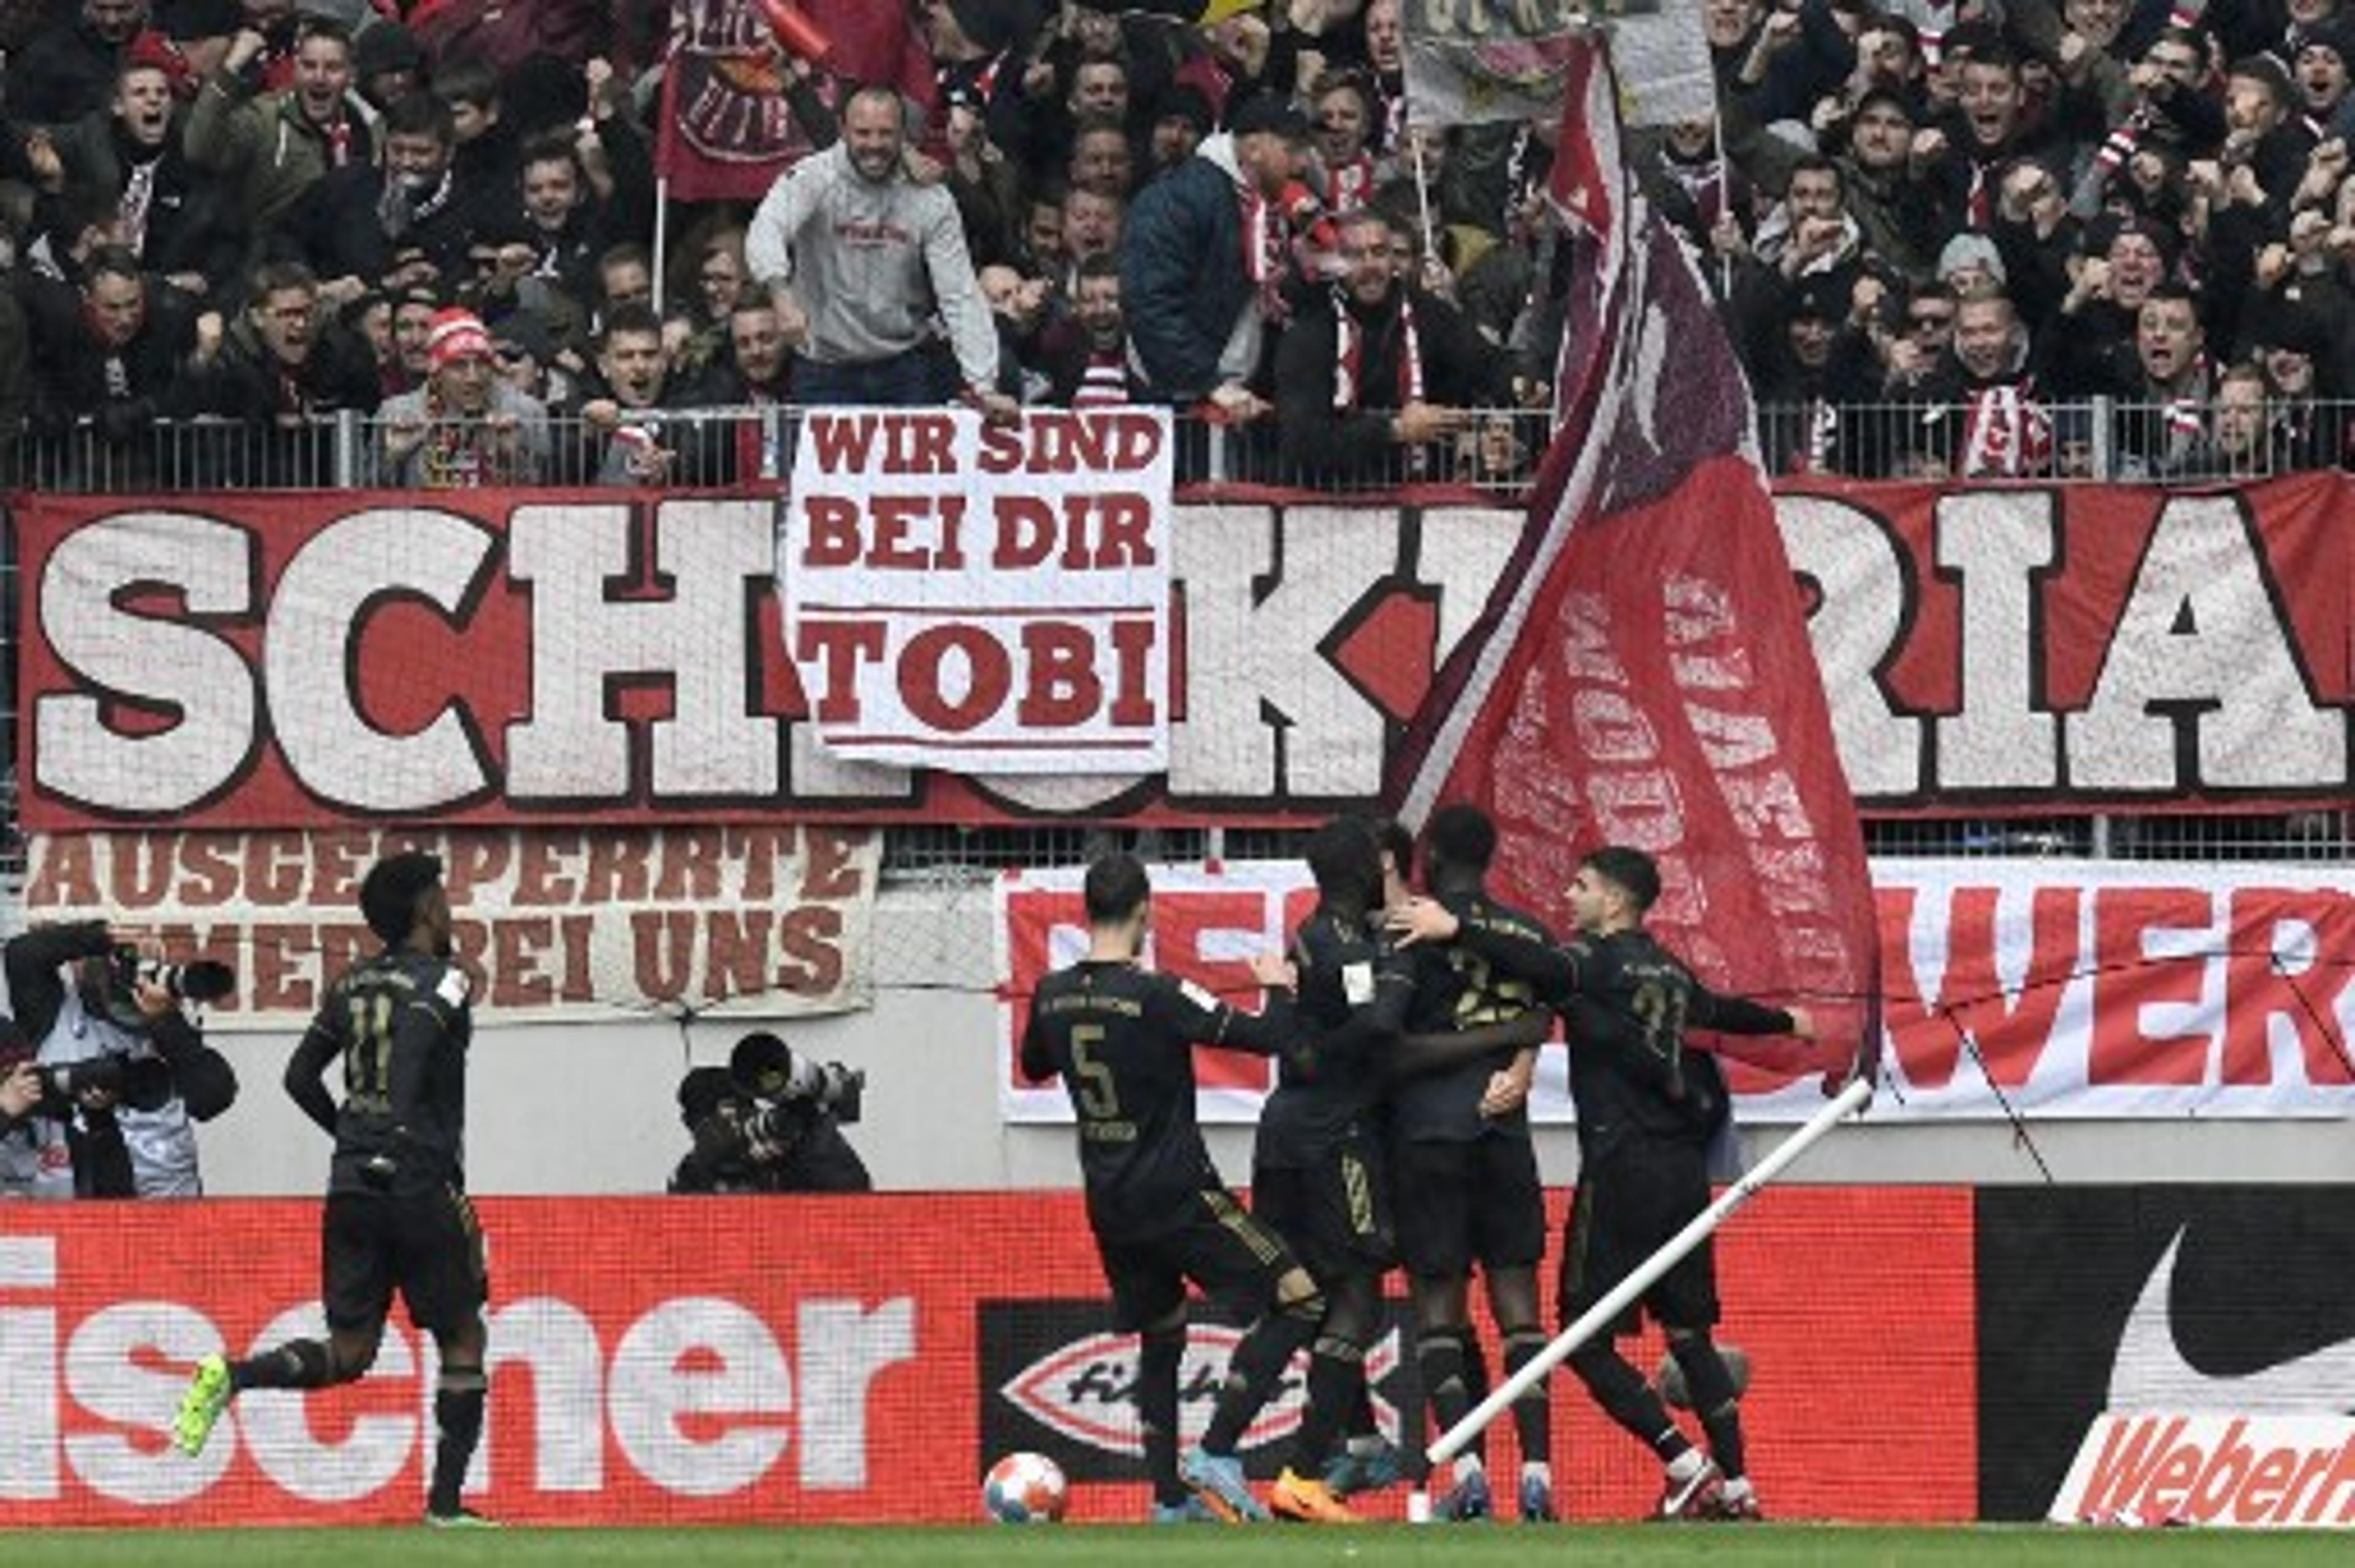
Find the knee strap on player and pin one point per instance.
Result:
(1707, 1379)
(1308, 1308)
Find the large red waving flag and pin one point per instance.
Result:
(1645, 676)
(725, 133)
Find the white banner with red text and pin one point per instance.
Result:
(743, 921)
(2075, 989)
(985, 599)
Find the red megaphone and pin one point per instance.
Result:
(797, 34)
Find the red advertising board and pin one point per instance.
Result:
(855, 1359)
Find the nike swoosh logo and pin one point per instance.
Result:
(2151, 1374)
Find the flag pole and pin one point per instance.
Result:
(1423, 199)
(1596, 1317)
(662, 237)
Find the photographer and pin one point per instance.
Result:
(122, 1072)
(771, 1123)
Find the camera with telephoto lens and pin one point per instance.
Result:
(200, 980)
(143, 1082)
(765, 1067)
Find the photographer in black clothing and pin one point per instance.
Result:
(125, 1073)
(397, 1215)
(1648, 1106)
(770, 1122)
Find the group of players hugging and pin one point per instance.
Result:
(1404, 1030)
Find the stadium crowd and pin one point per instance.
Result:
(1953, 238)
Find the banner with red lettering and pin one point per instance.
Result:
(982, 599)
(2075, 989)
(858, 1359)
(726, 130)
(2081, 647)
(751, 920)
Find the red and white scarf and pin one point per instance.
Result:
(2006, 435)
(1104, 383)
(1349, 353)
(1266, 240)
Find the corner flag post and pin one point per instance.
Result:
(1457, 1438)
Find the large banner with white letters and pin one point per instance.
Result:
(2084, 647)
(982, 599)
(2058, 988)
(319, 660)
(267, 661)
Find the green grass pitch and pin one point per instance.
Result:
(1090, 1546)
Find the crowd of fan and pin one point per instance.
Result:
(1954, 238)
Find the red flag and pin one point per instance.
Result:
(725, 133)
(1645, 677)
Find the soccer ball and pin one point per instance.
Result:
(1025, 1489)
(1670, 1378)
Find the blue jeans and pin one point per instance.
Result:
(921, 378)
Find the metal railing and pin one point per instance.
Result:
(2100, 440)
(684, 448)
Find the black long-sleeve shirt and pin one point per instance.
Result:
(1627, 1002)
(401, 1023)
(1354, 991)
(1122, 1039)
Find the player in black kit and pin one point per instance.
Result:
(1465, 1169)
(1122, 1039)
(1648, 1106)
(397, 1214)
(1317, 1170)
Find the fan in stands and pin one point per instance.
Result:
(1025, 1489)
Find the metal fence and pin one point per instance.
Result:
(2104, 439)
(1492, 454)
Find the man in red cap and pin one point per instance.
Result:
(466, 427)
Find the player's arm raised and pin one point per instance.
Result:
(1202, 1019)
(1508, 945)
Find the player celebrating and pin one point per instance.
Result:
(1121, 1038)
(1317, 1172)
(1468, 1189)
(1648, 1106)
(397, 1214)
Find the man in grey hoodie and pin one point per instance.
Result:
(872, 254)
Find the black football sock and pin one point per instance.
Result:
(458, 1401)
(1256, 1366)
(298, 1364)
(1627, 1398)
(1711, 1385)
(1158, 1362)
(1439, 1357)
(1533, 1409)
(1337, 1370)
